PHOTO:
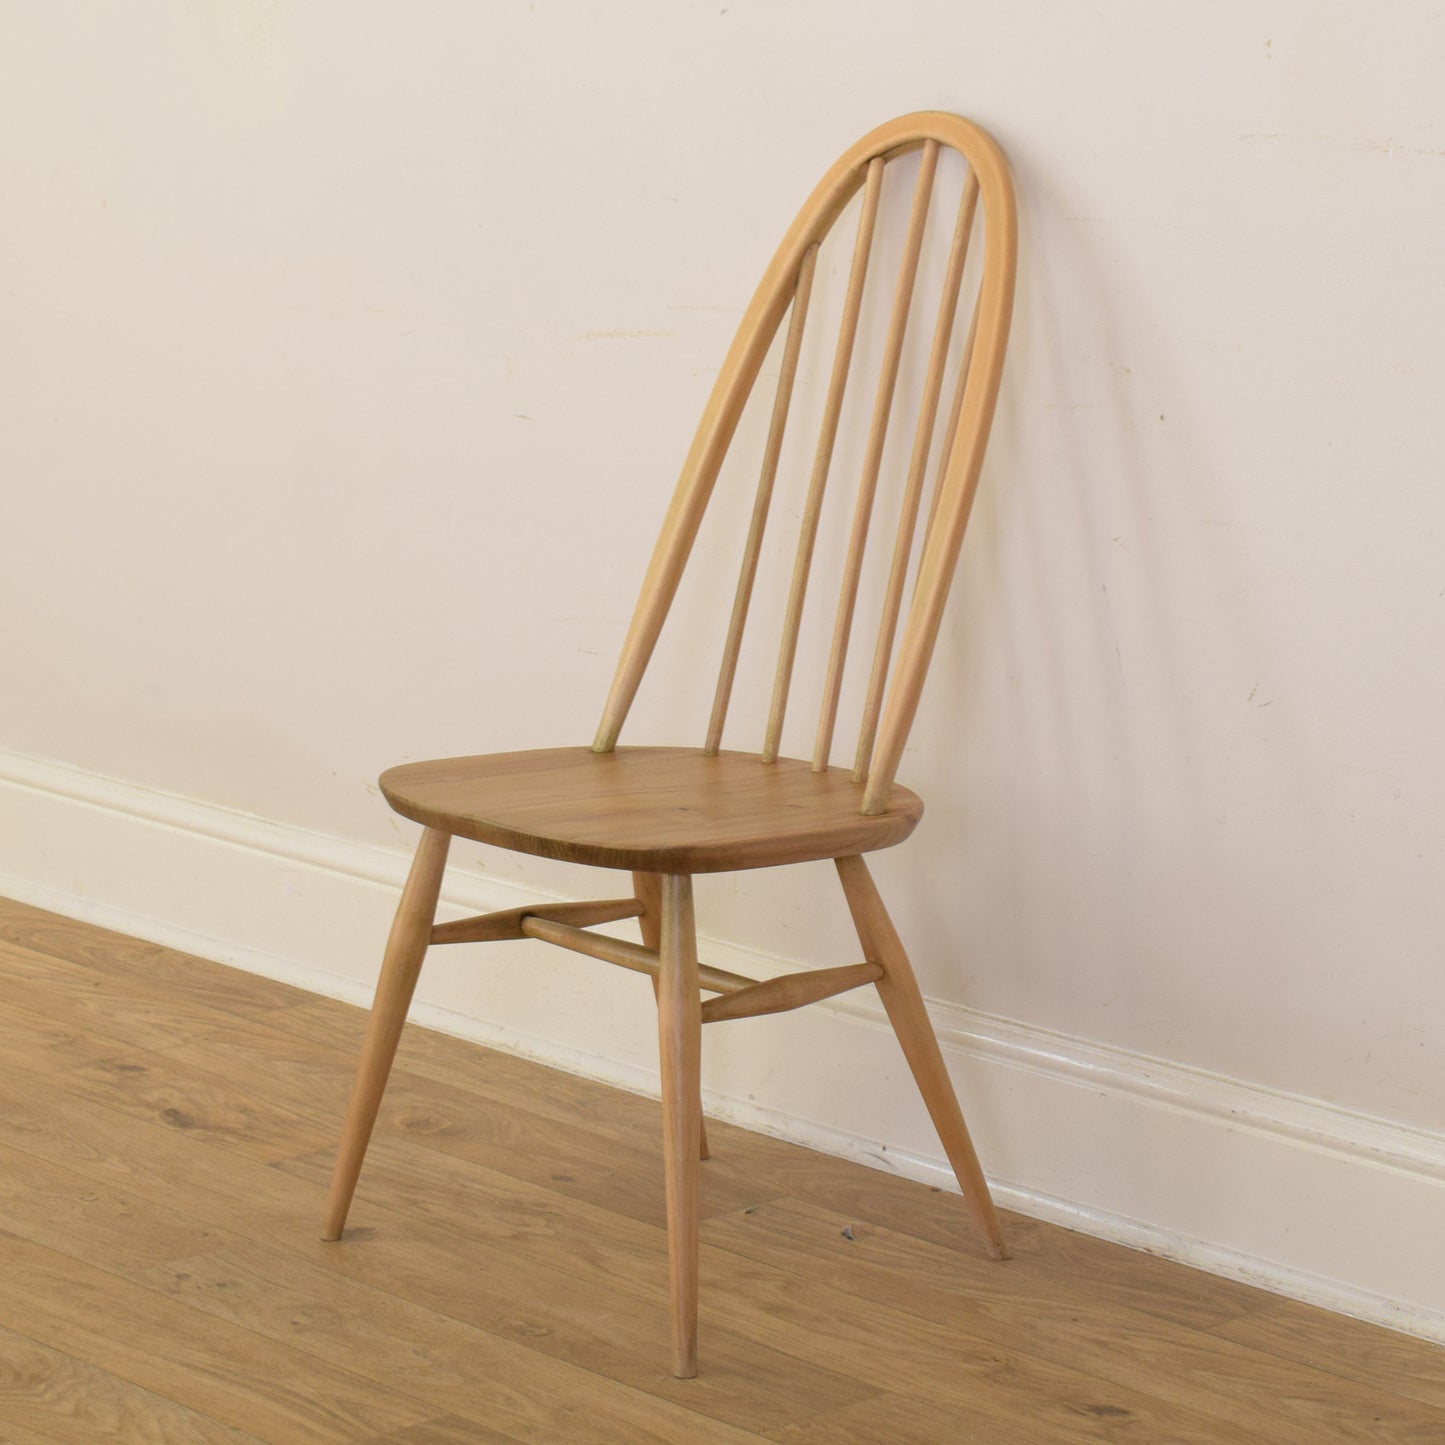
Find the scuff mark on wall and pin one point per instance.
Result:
(1380, 145)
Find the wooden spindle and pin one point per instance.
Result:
(796, 990)
(873, 454)
(982, 368)
(750, 346)
(917, 469)
(898, 990)
(828, 433)
(950, 435)
(679, 1030)
(771, 452)
(625, 955)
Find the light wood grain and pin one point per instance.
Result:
(49, 1396)
(1237, 1389)
(53, 1205)
(211, 1104)
(860, 167)
(768, 1168)
(507, 923)
(799, 1312)
(873, 454)
(679, 1030)
(1046, 1255)
(648, 889)
(502, 1261)
(131, 1010)
(400, 968)
(132, 967)
(655, 810)
(739, 370)
(1321, 1340)
(900, 1420)
(36, 1042)
(509, 1252)
(569, 1280)
(794, 990)
(669, 813)
(762, 502)
(917, 470)
(823, 458)
(950, 431)
(448, 1430)
(627, 955)
(133, 1159)
(898, 989)
(224, 1371)
(963, 453)
(417, 1352)
(569, 1159)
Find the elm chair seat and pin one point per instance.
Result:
(654, 810)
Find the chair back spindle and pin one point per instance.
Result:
(917, 470)
(898, 665)
(747, 575)
(873, 455)
(823, 457)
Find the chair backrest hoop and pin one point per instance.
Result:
(964, 442)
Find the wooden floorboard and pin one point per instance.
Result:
(166, 1126)
(52, 1396)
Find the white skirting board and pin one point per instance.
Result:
(1313, 1201)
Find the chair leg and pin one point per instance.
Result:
(898, 989)
(405, 948)
(646, 887)
(679, 1019)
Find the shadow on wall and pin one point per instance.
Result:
(1086, 809)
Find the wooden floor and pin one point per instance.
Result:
(165, 1135)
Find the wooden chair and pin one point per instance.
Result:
(666, 813)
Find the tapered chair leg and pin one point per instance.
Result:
(647, 889)
(898, 989)
(405, 948)
(679, 1021)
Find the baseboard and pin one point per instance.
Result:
(1313, 1201)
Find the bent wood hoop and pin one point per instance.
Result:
(885, 725)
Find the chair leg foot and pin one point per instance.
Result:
(679, 1018)
(898, 988)
(646, 888)
(405, 948)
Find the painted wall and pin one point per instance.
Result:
(348, 356)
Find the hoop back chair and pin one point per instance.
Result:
(666, 813)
